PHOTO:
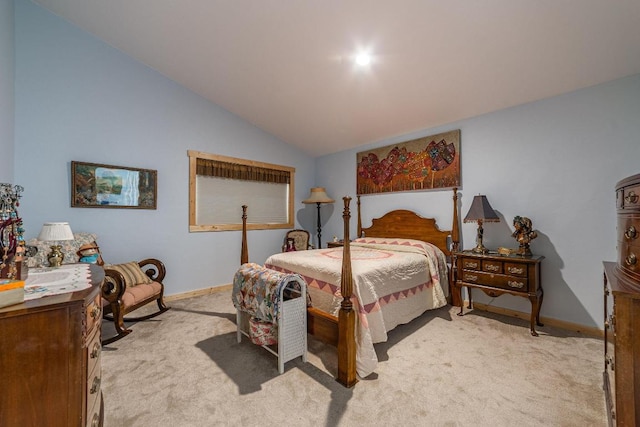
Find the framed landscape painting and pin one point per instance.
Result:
(95, 185)
(427, 163)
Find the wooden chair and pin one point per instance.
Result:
(300, 240)
(128, 287)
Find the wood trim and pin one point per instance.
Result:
(193, 227)
(192, 191)
(202, 155)
(548, 321)
(199, 292)
(322, 326)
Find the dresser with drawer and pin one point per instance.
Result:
(622, 311)
(496, 274)
(50, 356)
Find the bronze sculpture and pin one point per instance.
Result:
(524, 234)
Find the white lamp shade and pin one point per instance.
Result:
(54, 231)
(318, 195)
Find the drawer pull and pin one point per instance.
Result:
(631, 259)
(612, 322)
(631, 233)
(609, 361)
(95, 387)
(515, 284)
(493, 267)
(515, 270)
(95, 352)
(95, 312)
(632, 197)
(471, 264)
(471, 277)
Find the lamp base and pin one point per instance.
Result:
(56, 256)
(480, 250)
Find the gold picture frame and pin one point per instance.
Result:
(96, 185)
(427, 163)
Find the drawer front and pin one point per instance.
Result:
(94, 353)
(93, 413)
(629, 228)
(492, 266)
(519, 284)
(619, 199)
(515, 269)
(470, 264)
(628, 255)
(93, 391)
(94, 375)
(631, 197)
(93, 314)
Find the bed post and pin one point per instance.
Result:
(456, 297)
(455, 229)
(359, 218)
(244, 254)
(346, 316)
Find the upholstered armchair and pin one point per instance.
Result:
(128, 287)
(299, 239)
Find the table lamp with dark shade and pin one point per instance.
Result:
(318, 196)
(481, 211)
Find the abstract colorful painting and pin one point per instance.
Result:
(428, 163)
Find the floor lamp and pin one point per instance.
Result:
(318, 196)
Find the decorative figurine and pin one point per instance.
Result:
(291, 245)
(11, 231)
(524, 234)
(90, 253)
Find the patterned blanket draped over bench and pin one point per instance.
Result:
(256, 290)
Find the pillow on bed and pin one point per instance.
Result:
(395, 241)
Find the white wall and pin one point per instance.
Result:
(79, 99)
(555, 161)
(6, 91)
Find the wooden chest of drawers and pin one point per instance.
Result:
(50, 360)
(496, 274)
(622, 311)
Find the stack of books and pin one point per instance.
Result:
(11, 292)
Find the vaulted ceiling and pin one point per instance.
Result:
(287, 65)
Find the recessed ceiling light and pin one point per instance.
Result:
(363, 59)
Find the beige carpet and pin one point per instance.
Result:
(185, 368)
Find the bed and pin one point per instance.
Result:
(359, 292)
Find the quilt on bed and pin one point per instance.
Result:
(394, 281)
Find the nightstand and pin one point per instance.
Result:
(496, 274)
(332, 244)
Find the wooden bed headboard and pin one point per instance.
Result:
(405, 224)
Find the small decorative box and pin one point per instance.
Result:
(11, 292)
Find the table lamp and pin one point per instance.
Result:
(55, 232)
(318, 196)
(480, 211)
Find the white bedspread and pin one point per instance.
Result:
(394, 281)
